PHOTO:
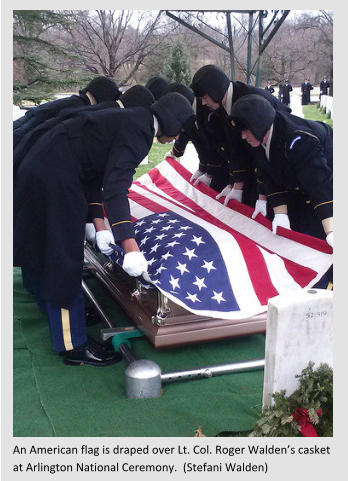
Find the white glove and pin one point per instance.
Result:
(281, 220)
(170, 154)
(195, 175)
(235, 194)
(204, 178)
(104, 238)
(260, 208)
(329, 239)
(90, 232)
(226, 190)
(134, 263)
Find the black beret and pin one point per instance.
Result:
(157, 86)
(137, 96)
(102, 89)
(173, 112)
(253, 112)
(210, 80)
(181, 89)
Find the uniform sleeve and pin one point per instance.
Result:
(308, 158)
(118, 178)
(180, 144)
(94, 196)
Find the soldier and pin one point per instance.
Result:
(306, 88)
(100, 89)
(215, 95)
(286, 89)
(295, 157)
(324, 86)
(157, 85)
(269, 87)
(100, 149)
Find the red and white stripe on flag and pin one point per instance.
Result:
(260, 264)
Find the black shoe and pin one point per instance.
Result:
(91, 353)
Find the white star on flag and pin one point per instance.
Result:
(197, 240)
(174, 282)
(160, 269)
(200, 282)
(192, 297)
(180, 234)
(218, 297)
(160, 237)
(150, 229)
(151, 261)
(166, 255)
(154, 248)
(145, 239)
(182, 268)
(172, 244)
(140, 223)
(173, 221)
(185, 227)
(189, 253)
(156, 221)
(162, 215)
(167, 227)
(208, 265)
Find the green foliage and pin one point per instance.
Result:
(38, 56)
(176, 66)
(315, 391)
(312, 113)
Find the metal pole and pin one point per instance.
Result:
(230, 41)
(96, 306)
(249, 47)
(210, 371)
(259, 63)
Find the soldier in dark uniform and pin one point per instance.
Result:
(50, 204)
(295, 158)
(324, 86)
(269, 87)
(225, 159)
(286, 89)
(157, 85)
(100, 89)
(306, 88)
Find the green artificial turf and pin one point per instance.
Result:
(51, 399)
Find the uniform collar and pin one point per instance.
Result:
(155, 125)
(267, 145)
(228, 106)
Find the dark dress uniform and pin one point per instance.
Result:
(37, 115)
(50, 204)
(324, 86)
(306, 88)
(269, 89)
(286, 89)
(299, 171)
(222, 153)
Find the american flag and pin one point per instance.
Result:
(214, 260)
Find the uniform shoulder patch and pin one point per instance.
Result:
(294, 141)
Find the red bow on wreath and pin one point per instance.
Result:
(301, 417)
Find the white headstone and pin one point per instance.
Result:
(299, 330)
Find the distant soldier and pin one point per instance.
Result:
(280, 91)
(306, 88)
(324, 85)
(269, 87)
(287, 88)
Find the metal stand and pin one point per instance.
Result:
(143, 378)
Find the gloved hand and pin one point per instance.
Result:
(104, 238)
(260, 208)
(230, 193)
(329, 239)
(204, 178)
(134, 263)
(195, 175)
(90, 232)
(169, 154)
(281, 220)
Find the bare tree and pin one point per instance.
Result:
(114, 43)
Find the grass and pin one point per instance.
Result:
(311, 112)
(156, 155)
